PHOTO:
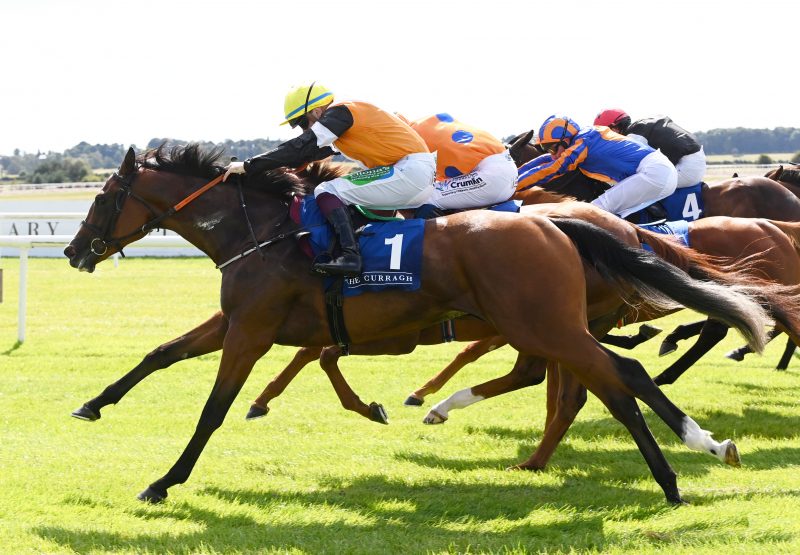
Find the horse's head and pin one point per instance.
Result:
(521, 149)
(112, 222)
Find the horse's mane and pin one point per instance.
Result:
(188, 159)
(192, 159)
(790, 176)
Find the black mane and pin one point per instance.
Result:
(191, 159)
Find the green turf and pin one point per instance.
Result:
(313, 478)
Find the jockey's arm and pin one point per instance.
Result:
(531, 174)
(312, 145)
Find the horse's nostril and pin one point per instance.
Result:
(69, 252)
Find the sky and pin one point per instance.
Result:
(125, 72)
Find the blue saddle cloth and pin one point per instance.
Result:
(684, 204)
(391, 251)
(678, 228)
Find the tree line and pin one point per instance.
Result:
(81, 162)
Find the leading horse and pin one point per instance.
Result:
(471, 265)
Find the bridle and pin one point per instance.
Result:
(103, 239)
(100, 243)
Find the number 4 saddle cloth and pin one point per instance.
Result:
(391, 250)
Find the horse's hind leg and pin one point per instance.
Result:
(205, 338)
(711, 334)
(350, 400)
(600, 370)
(788, 351)
(683, 331)
(526, 371)
(302, 358)
(738, 354)
(646, 333)
(569, 399)
(468, 355)
(633, 375)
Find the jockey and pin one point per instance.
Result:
(400, 170)
(638, 174)
(677, 144)
(473, 168)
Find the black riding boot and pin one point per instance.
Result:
(348, 263)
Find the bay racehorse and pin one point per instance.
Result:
(471, 265)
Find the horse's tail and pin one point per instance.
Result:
(662, 284)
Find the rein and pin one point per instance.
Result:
(119, 202)
(99, 245)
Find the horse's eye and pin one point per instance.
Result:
(99, 200)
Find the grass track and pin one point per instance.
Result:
(312, 478)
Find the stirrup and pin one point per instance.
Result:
(339, 266)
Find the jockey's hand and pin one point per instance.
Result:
(233, 167)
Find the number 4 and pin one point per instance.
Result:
(691, 210)
(397, 250)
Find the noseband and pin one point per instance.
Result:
(103, 239)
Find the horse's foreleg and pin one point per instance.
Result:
(684, 331)
(302, 358)
(205, 338)
(527, 371)
(712, 333)
(570, 397)
(240, 352)
(468, 355)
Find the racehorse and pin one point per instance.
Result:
(740, 238)
(746, 197)
(740, 197)
(710, 332)
(470, 265)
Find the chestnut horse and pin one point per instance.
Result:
(740, 238)
(746, 197)
(471, 265)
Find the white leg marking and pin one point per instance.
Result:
(699, 439)
(457, 400)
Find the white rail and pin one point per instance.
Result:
(26, 242)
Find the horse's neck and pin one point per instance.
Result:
(216, 222)
(537, 195)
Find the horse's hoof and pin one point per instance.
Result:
(649, 332)
(434, 417)
(85, 413)
(377, 413)
(735, 355)
(667, 347)
(256, 412)
(527, 467)
(152, 495)
(732, 457)
(676, 499)
(412, 401)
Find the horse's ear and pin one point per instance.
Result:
(516, 146)
(129, 163)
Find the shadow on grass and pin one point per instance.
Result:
(373, 514)
(13, 348)
(394, 516)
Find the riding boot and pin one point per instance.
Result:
(348, 263)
